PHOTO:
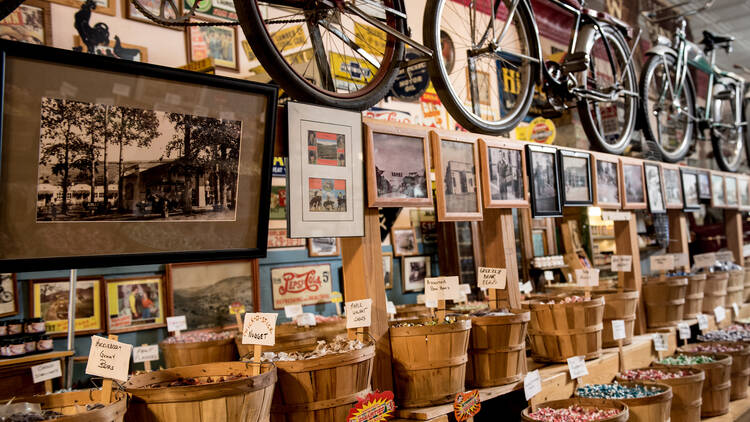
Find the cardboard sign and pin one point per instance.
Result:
(259, 328)
(293, 311)
(464, 289)
(681, 260)
(615, 216)
(236, 308)
(374, 407)
(145, 353)
(622, 263)
(661, 342)
(176, 323)
(662, 262)
(358, 313)
(492, 278)
(577, 367)
(684, 329)
(532, 384)
(704, 260)
(618, 329)
(587, 277)
(301, 285)
(441, 288)
(306, 319)
(336, 297)
(702, 322)
(725, 256)
(466, 405)
(390, 308)
(46, 371)
(109, 359)
(549, 275)
(720, 313)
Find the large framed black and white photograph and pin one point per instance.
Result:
(575, 170)
(673, 195)
(504, 181)
(115, 162)
(633, 186)
(544, 182)
(606, 176)
(414, 270)
(655, 188)
(457, 186)
(690, 189)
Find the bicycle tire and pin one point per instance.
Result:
(296, 86)
(8, 6)
(647, 73)
(745, 116)
(716, 141)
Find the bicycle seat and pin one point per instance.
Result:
(710, 40)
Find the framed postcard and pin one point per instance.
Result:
(575, 169)
(404, 241)
(30, 22)
(388, 270)
(398, 165)
(544, 182)
(690, 189)
(730, 191)
(717, 191)
(216, 42)
(105, 7)
(632, 188)
(654, 188)
(301, 285)
(504, 181)
(202, 291)
(8, 294)
(743, 190)
(673, 195)
(172, 202)
(324, 246)
(414, 270)
(171, 11)
(606, 176)
(49, 300)
(456, 161)
(325, 187)
(704, 184)
(135, 304)
(133, 53)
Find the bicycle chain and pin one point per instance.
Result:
(184, 23)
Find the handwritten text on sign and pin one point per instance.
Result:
(725, 256)
(622, 263)
(145, 353)
(176, 323)
(702, 322)
(532, 384)
(577, 367)
(618, 329)
(259, 328)
(662, 263)
(441, 288)
(684, 330)
(293, 311)
(705, 260)
(46, 371)
(587, 277)
(661, 342)
(492, 278)
(358, 313)
(720, 313)
(109, 359)
(681, 260)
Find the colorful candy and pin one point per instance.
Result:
(447, 320)
(731, 333)
(568, 299)
(715, 348)
(338, 345)
(686, 360)
(651, 374)
(573, 413)
(200, 336)
(617, 391)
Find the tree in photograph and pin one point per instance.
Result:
(93, 133)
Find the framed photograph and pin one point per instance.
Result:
(690, 189)
(730, 191)
(49, 300)
(216, 42)
(325, 190)
(30, 22)
(539, 242)
(575, 169)
(131, 52)
(202, 291)
(704, 185)
(163, 204)
(8, 294)
(654, 187)
(388, 270)
(632, 188)
(404, 241)
(277, 212)
(135, 304)
(717, 191)
(606, 176)
(743, 189)
(544, 182)
(153, 6)
(504, 181)
(324, 246)
(398, 165)
(672, 186)
(301, 285)
(415, 269)
(105, 7)
(456, 162)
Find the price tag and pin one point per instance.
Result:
(615, 216)
(720, 313)
(622, 263)
(661, 341)
(684, 330)
(46, 371)
(702, 322)
(681, 260)
(390, 308)
(145, 353)
(441, 288)
(358, 313)
(431, 304)
(236, 308)
(532, 384)
(492, 278)
(725, 256)
(464, 289)
(549, 275)
(662, 263)
(577, 367)
(259, 328)
(420, 299)
(587, 277)
(306, 319)
(618, 329)
(705, 260)
(526, 287)
(292, 311)
(176, 323)
(736, 310)
(336, 297)
(109, 359)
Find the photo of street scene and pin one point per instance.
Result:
(633, 180)
(576, 179)
(544, 173)
(399, 166)
(459, 177)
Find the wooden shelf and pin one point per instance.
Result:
(35, 358)
(603, 237)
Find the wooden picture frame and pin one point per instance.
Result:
(110, 48)
(8, 294)
(493, 196)
(632, 197)
(311, 248)
(130, 12)
(718, 198)
(463, 178)
(654, 187)
(731, 191)
(118, 289)
(379, 181)
(108, 7)
(704, 184)
(541, 186)
(568, 199)
(55, 314)
(539, 242)
(743, 191)
(388, 272)
(220, 62)
(407, 284)
(606, 194)
(397, 234)
(12, 29)
(689, 178)
(672, 179)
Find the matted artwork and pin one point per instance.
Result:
(544, 182)
(717, 191)
(388, 270)
(216, 42)
(301, 285)
(30, 22)
(135, 304)
(672, 186)
(633, 187)
(8, 294)
(504, 181)
(575, 168)
(49, 301)
(457, 176)
(404, 241)
(415, 269)
(690, 189)
(730, 191)
(324, 246)
(654, 188)
(606, 181)
(704, 185)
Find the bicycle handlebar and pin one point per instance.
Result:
(649, 15)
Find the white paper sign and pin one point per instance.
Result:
(622, 263)
(661, 340)
(259, 328)
(615, 216)
(681, 260)
(46, 371)
(431, 303)
(548, 275)
(464, 289)
(684, 330)
(704, 260)
(577, 367)
(587, 277)
(618, 329)
(109, 359)
(725, 256)
(292, 311)
(720, 313)
(358, 313)
(746, 250)
(306, 319)
(526, 287)
(736, 310)
(662, 262)
(702, 322)
(390, 308)
(176, 323)
(145, 353)
(532, 384)
(441, 288)
(492, 278)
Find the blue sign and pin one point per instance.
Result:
(279, 167)
(412, 81)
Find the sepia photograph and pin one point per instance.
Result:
(672, 186)
(8, 295)
(743, 186)
(457, 176)
(704, 185)
(607, 186)
(543, 180)
(135, 304)
(504, 183)
(415, 270)
(404, 241)
(49, 301)
(654, 188)
(730, 191)
(633, 186)
(690, 190)
(323, 246)
(576, 175)
(388, 270)
(717, 191)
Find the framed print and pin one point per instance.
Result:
(539, 242)
(654, 187)
(690, 189)
(8, 294)
(135, 304)
(704, 185)
(717, 191)
(277, 213)
(216, 42)
(415, 269)
(167, 204)
(325, 188)
(30, 22)
(202, 291)
(730, 191)
(504, 181)
(672, 186)
(606, 177)
(388, 270)
(278, 238)
(120, 50)
(221, 9)
(544, 182)
(398, 165)
(171, 11)
(743, 189)
(105, 7)
(456, 162)
(404, 241)
(632, 188)
(575, 169)
(301, 285)
(324, 246)
(49, 300)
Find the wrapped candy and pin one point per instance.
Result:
(573, 413)
(651, 374)
(200, 336)
(617, 391)
(686, 360)
(338, 345)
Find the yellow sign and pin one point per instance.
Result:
(336, 297)
(540, 130)
(236, 308)
(371, 39)
(351, 70)
(284, 39)
(202, 66)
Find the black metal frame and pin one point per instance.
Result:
(535, 212)
(686, 207)
(561, 154)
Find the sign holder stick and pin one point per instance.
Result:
(146, 364)
(441, 310)
(257, 353)
(106, 393)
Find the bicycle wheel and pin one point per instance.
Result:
(487, 86)
(727, 140)
(745, 116)
(322, 54)
(666, 121)
(609, 125)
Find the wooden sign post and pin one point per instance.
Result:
(499, 252)
(259, 329)
(626, 243)
(237, 309)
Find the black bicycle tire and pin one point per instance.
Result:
(745, 116)
(297, 87)
(431, 37)
(8, 6)
(646, 128)
(715, 144)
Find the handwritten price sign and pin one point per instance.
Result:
(109, 359)
(259, 328)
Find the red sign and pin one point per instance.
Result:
(296, 283)
(303, 285)
(466, 405)
(375, 407)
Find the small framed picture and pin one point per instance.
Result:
(575, 168)
(135, 304)
(216, 42)
(388, 270)
(633, 188)
(323, 246)
(31, 22)
(504, 181)
(730, 191)
(8, 294)
(544, 182)
(606, 176)
(539, 242)
(717, 191)
(743, 190)
(690, 189)
(704, 185)
(457, 174)
(398, 165)
(654, 187)
(404, 241)
(49, 301)
(415, 270)
(673, 195)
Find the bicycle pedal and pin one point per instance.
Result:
(576, 62)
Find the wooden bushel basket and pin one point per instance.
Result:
(188, 354)
(716, 387)
(242, 400)
(735, 288)
(618, 305)
(687, 393)
(694, 296)
(665, 300)
(585, 403)
(497, 349)
(649, 409)
(715, 292)
(740, 365)
(746, 285)
(69, 405)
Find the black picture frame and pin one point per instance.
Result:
(685, 186)
(553, 182)
(704, 191)
(138, 75)
(562, 154)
